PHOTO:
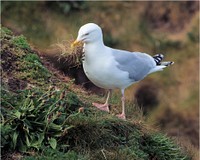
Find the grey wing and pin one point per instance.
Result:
(137, 64)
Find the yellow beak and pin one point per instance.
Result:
(76, 43)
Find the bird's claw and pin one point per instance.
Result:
(121, 116)
(103, 107)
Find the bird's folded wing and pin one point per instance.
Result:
(137, 64)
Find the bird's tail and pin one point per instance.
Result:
(159, 64)
(158, 59)
(166, 63)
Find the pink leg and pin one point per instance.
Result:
(122, 115)
(105, 106)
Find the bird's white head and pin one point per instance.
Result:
(89, 33)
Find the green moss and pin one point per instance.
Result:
(20, 41)
(5, 31)
(18, 61)
(31, 69)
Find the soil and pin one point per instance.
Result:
(9, 66)
(66, 69)
(8, 60)
(16, 84)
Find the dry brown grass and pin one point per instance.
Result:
(71, 54)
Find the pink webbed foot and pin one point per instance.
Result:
(121, 116)
(103, 107)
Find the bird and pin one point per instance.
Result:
(110, 68)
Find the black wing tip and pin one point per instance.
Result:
(158, 58)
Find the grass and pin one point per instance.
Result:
(177, 84)
(23, 63)
(37, 71)
(20, 41)
(51, 154)
(51, 120)
(30, 118)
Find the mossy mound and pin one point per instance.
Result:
(20, 65)
(43, 118)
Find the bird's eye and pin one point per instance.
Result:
(86, 34)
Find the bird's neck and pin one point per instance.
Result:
(96, 43)
(93, 50)
(93, 47)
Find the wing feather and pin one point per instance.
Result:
(137, 64)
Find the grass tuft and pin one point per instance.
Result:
(30, 68)
(21, 42)
(158, 146)
(34, 118)
(71, 54)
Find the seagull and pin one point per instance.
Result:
(110, 68)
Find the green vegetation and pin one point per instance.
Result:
(161, 147)
(32, 118)
(18, 58)
(36, 72)
(20, 41)
(170, 28)
(52, 121)
(52, 154)
(5, 32)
